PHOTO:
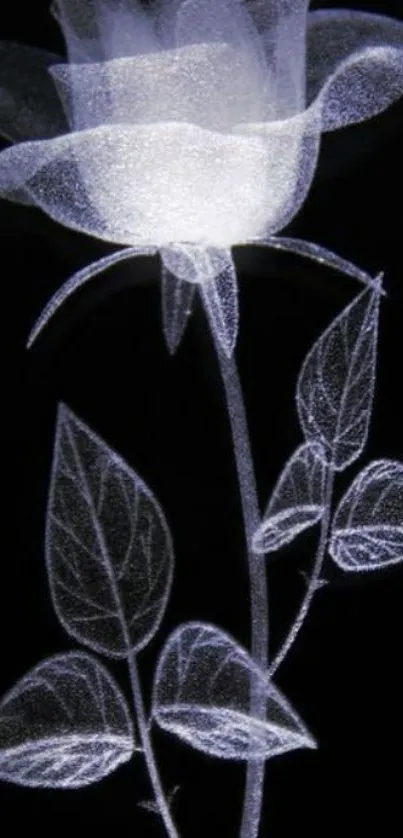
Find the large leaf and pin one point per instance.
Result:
(336, 383)
(297, 501)
(202, 694)
(108, 547)
(367, 530)
(64, 725)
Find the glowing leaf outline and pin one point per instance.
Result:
(336, 384)
(297, 500)
(94, 581)
(198, 673)
(367, 529)
(65, 724)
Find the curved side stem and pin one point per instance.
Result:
(313, 581)
(148, 750)
(257, 576)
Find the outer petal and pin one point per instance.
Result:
(355, 65)
(168, 182)
(293, 148)
(44, 173)
(210, 85)
(29, 104)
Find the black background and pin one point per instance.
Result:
(105, 357)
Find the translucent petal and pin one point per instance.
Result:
(282, 28)
(170, 182)
(293, 146)
(97, 30)
(355, 65)
(206, 84)
(78, 22)
(29, 104)
(126, 28)
(227, 22)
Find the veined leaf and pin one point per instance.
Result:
(336, 383)
(202, 694)
(297, 501)
(108, 547)
(367, 530)
(64, 725)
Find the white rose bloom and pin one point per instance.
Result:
(193, 123)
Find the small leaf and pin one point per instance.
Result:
(336, 383)
(367, 531)
(297, 501)
(213, 270)
(177, 300)
(202, 694)
(108, 547)
(64, 725)
(152, 806)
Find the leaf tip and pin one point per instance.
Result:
(63, 412)
(311, 743)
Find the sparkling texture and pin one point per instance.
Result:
(195, 121)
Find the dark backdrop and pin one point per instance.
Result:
(105, 357)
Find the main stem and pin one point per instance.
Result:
(257, 577)
(314, 578)
(147, 748)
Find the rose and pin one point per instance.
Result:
(191, 124)
(195, 123)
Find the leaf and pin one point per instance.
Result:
(202, 693)
(367, 531)
(297, 501)
(108, 547)
(177, 300)
(64, 725)
(336, 384)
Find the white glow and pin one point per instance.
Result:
(194, 122)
